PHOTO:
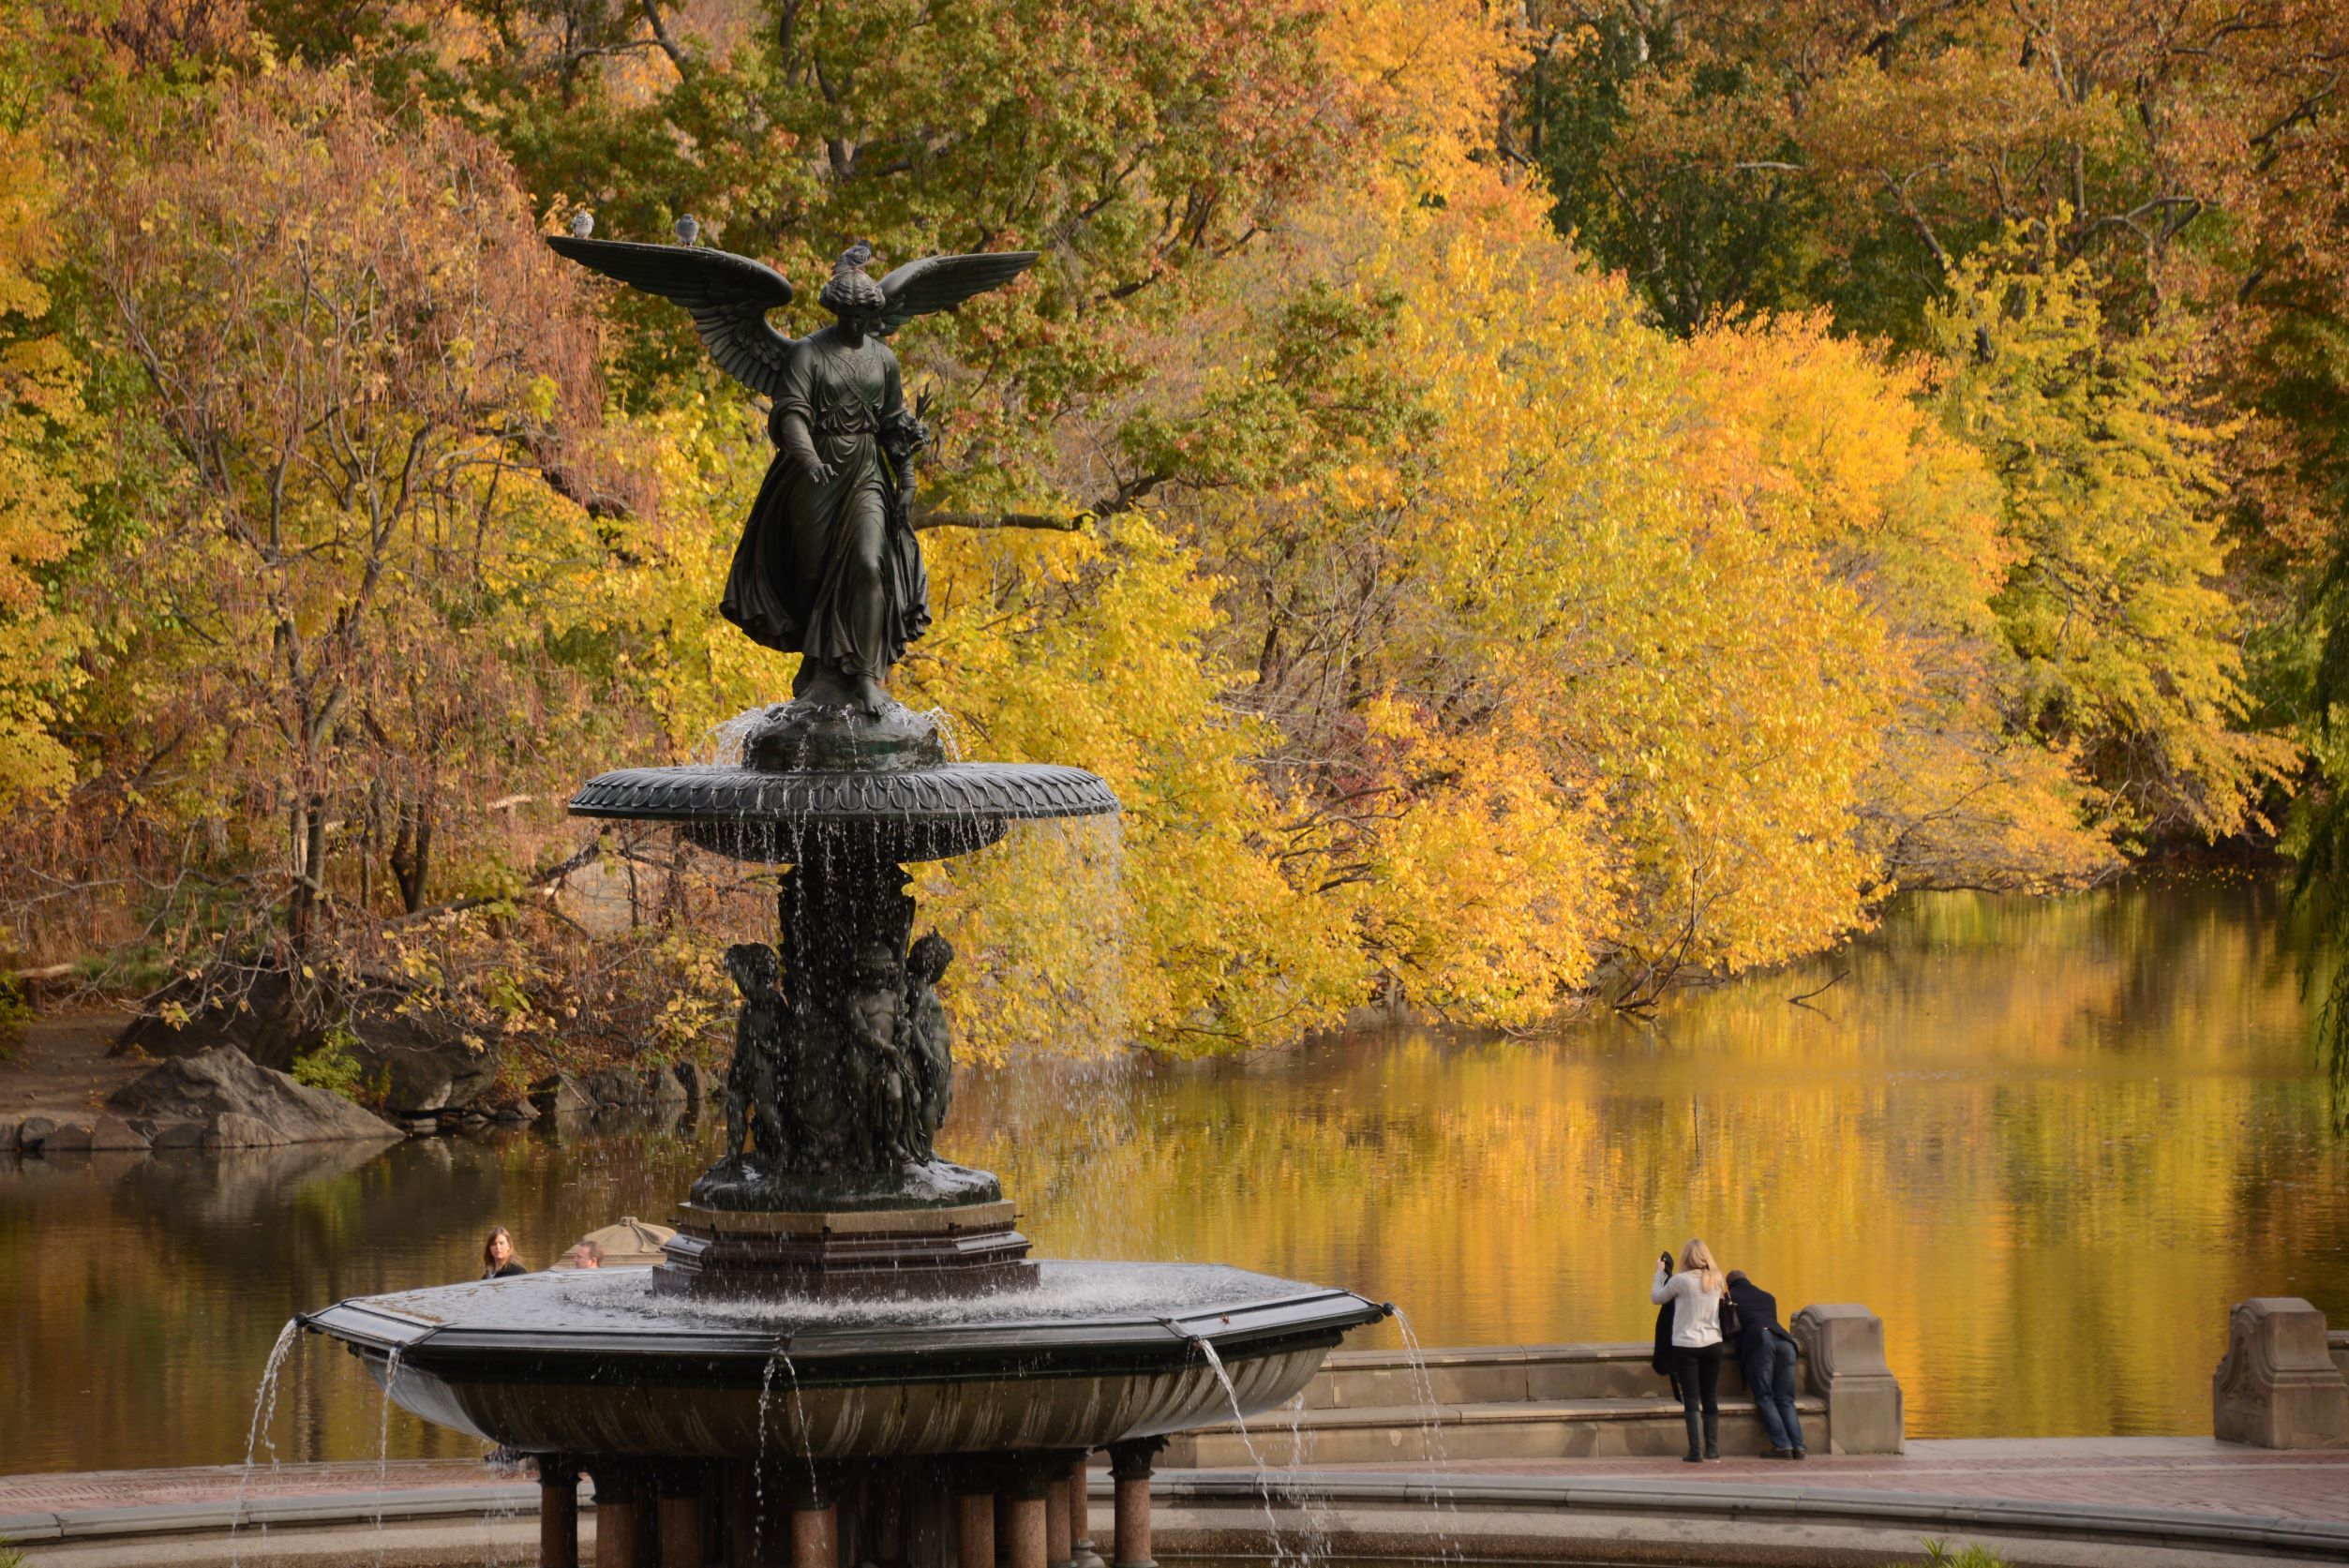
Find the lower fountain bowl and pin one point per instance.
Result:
(1083, 1355)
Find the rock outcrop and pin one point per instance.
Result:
(419, 1064)
(243, 1104)
(671, 1090)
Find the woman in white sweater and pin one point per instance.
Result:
(1695, 1293)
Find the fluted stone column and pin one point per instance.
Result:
(557, 1511)
(1130, 1469)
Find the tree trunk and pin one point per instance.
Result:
(309, 857)
(411, 853)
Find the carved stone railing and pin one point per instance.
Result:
(2279, 1385)
(1842, 1352)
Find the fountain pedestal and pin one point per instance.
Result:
(846, 1347)
(767, 1253)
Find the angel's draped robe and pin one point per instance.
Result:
(825, 571)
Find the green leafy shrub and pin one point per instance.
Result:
(1940, 1554)
(330, 1067)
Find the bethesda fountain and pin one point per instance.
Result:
(847, 1354)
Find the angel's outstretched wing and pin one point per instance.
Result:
(728, 296)
(943, 282)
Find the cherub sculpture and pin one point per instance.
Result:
(754, 1081)
(924, 1030)
(876, 1023)
(828, 567)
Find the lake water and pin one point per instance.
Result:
(2049, 1141)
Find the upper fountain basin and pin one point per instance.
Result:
(872, 783)
(1088, 1354)
(914, 813)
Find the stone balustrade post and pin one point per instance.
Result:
(1843, 1349)
(2277, 1386)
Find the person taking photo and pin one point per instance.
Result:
(1694, 1295)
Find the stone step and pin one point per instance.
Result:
(1506, 1429)
(1497, 1374)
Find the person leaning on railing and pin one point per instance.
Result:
(1766, 1352)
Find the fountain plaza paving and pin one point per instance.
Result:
(2188, 1474)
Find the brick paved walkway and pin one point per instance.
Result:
(2192, 1473)
(65, 1491)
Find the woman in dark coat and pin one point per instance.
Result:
(496, 1255)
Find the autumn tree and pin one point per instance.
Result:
(1471, 615)
(45, 431)
(2129, 647)
(368, 375)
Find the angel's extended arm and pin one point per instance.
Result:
(787, 427)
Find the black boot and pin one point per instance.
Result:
(1694, 1456)
(1712, 1434)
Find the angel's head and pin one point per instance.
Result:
(850, 295)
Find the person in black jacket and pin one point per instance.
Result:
(1766, 1351)
(496, 1255)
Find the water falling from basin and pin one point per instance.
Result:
(265, 1419)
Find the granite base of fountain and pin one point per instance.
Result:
(847, 1354)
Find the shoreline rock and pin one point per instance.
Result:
(420, 1064)
(241, 1104)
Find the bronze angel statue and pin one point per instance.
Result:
(828, 567)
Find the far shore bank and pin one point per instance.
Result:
(61, 1067)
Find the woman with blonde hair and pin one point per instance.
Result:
(1695, 1294)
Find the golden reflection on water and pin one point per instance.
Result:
(2049, 1141)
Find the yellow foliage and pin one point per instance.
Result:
(1433, 77)
(41, 423)
(2130, 649)
(1834, 444)
(1562, 694)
